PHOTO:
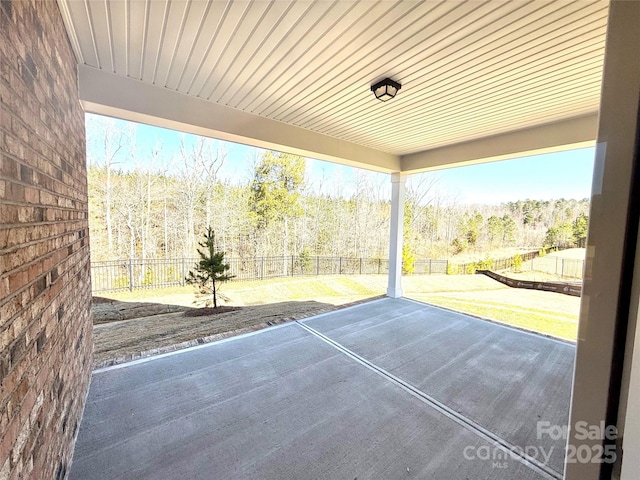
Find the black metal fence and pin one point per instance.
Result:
(488, 264)
(117, 275)
(135, 274)
(505, 263)
(571, 268)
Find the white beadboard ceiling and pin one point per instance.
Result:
(468, 69)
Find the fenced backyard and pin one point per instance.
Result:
(566, 268)
(119, 275)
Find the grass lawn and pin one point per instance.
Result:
(548, 313)
(540, 321)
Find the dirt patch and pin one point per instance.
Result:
(105, 310)
(122, 341)
(98, 300)
(208, 311)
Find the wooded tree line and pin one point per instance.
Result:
(159, 207)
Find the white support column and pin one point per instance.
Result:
(394, 290)
(607, 295)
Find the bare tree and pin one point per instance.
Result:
(112, 141)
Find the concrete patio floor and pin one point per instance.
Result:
(391, 389)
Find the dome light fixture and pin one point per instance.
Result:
(385, 89)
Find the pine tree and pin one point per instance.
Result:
(580, 228)
(211, 267)
(276, 191)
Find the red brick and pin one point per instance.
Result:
(8, 167)
(42, 179)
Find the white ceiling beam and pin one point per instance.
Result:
(578, 132)
(117, 96)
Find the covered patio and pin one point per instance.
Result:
(480, 82)
(393, 389)
(388, 389)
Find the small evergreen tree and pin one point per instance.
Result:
(210, 269)
(486, 264)
(453, 269)
(408, 260)
(304, 262)
(517, 262)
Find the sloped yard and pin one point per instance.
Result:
(124, 340)
(146, 322)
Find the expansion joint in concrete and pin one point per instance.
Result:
(510, 449)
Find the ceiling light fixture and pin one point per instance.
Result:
(385, 89)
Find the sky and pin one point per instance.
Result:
(541, 177)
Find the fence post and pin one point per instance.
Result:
(130, 275)
(557, 258)
(106, 273)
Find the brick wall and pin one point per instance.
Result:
(45, 321)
